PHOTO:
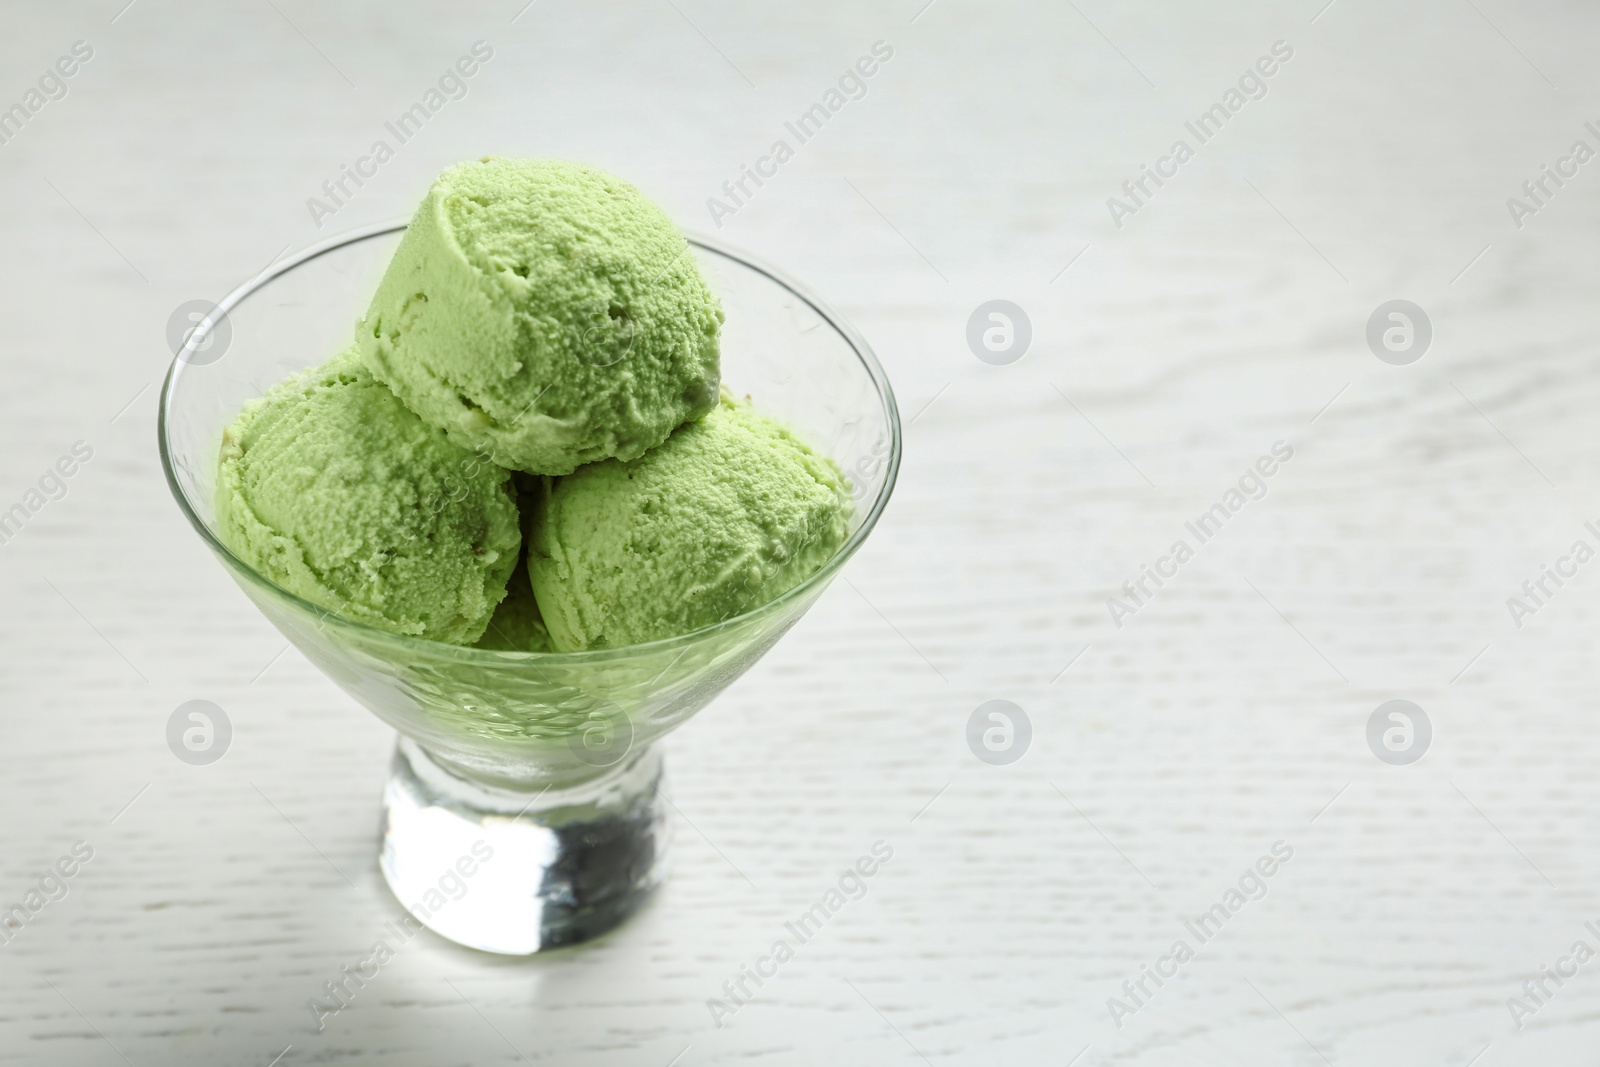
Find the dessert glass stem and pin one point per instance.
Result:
(522, 871)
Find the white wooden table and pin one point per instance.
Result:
(1229, 713)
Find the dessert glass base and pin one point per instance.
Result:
(520, 871)
(524, 808)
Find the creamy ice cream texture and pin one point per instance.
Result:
(518, 625)
(729, 513)
(546, 314)
(330, 487)
(541, 316)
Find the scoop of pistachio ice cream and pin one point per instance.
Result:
(730, 512)
(517, 625)
(331, 488)
(546, 314)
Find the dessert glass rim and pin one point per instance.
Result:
(858, 345)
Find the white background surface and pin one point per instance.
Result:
(1230, 713)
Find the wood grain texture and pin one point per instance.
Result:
(1228, 714)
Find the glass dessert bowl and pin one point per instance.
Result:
(533, 780)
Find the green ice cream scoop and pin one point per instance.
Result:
(331, 488)
(546, 314)
(726, 515)
(517, 625)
